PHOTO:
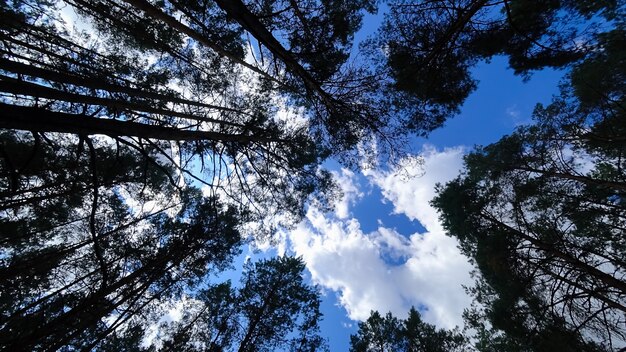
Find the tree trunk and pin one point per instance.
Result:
(42, 120)
(238, 11)
(93, 83)
(157, 13)
(15, 86)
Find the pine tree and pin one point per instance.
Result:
(272, 309)
(542, 215)
(94, 231)
(388, 333)
(424, 50)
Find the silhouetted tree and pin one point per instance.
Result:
(424, 50)
(542, 214)
(272, 309)
(389, 333)
(92, 234)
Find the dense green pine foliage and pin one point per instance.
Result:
(429, 47)
(94, 231)
(106, 131)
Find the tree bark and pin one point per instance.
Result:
(94, 83)
(15, 86)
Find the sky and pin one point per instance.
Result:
(383, 248)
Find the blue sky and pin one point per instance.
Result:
(501, 102)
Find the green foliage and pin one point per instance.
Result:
(318, 33)
(108, 132)
(101, 219)
(389, 333)
(87, 246)
(138, 68)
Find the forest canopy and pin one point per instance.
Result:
(144, 142)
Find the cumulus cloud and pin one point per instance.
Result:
(351, 192)
(411, 197)
(517, 117)
(342, 258)
(426, 269)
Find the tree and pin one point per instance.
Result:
(272, 309)
(107, 132)
(542, 215)
(275, 300)
(102, 221)
(424, 50)
(57, 80)
(513, 320)
(388, 333)
(133, 23)
(551, 233)
(84, 250)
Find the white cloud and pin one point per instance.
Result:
(513, 111)
(342, 258)
(411, 197)
(351, 193)
(435, 262)
(428, 270)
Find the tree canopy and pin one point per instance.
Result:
(271, 309)
(388, 333)
(143, 142)
(541, 212)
